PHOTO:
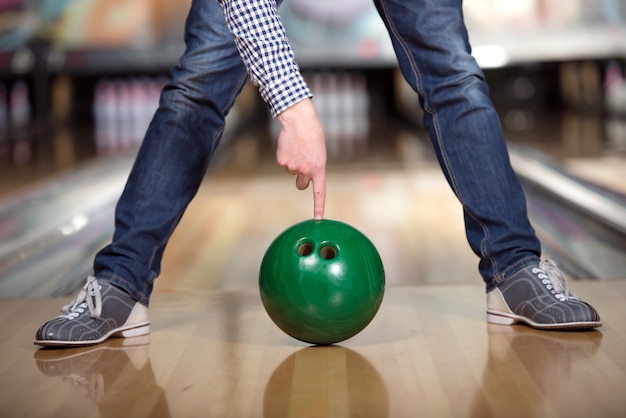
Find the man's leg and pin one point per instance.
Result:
(168, 170)
(431, 43)
(174, 155)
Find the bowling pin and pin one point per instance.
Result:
(333, 113)
(20, 111)
(347, 114)
(20, 107)
(4, 123)
(4, 113)
(124, 114)
(615, 103)
(614, 88)
(104, 115)
(361, 100)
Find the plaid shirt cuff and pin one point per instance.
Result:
(285, 92)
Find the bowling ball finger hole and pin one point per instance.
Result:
(305, 249)
(328, 252)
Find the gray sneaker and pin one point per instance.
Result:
(540, 296)
(100, 311)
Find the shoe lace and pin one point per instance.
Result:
(88, 298)
(555, 280)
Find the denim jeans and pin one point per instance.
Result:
(430, 40)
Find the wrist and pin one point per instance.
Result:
(296, 112)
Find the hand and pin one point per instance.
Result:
(301, 150)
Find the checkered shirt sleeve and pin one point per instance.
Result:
(265, 50)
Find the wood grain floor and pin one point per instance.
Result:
(213, 351)
(427, 353)
(409, 213)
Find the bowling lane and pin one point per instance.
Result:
(428, 352)
(55, 221)
(49, 234)
(382, 178)
(406, 208)
(581, 223)
(249, 213)
(214, 352)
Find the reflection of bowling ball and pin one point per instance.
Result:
(322, 281)
(328, 381)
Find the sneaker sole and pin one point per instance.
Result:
(502, 318)
(124, 332)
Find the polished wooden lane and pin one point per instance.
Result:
(213, 352)
(427, 353)
(409, 213)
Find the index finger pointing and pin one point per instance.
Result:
(319, 195)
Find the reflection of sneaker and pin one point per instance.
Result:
(100, 311)
(106, 370)
(533, 373)
(540, 296)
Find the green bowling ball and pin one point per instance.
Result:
(322, 281)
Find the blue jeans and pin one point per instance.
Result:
(433, 52)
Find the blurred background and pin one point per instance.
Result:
(80, 81)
